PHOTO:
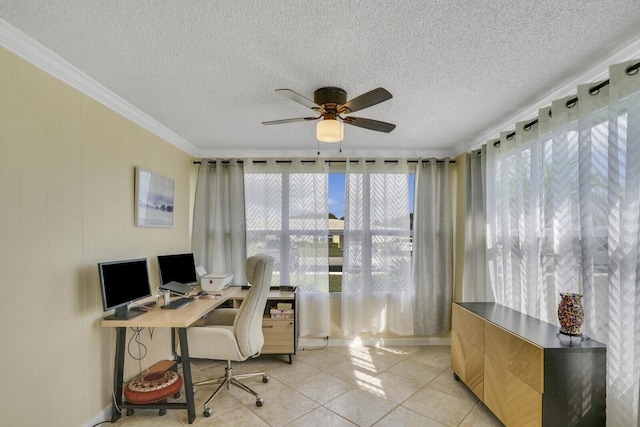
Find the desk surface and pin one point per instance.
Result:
(178, 318)
(187, 315)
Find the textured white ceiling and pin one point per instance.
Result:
(207, 70)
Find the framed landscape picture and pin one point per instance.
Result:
(154, 199)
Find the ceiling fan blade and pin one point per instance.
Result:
(295, 96)
(299, 119)
(369, 124)
(366, 100)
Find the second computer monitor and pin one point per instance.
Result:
(177, 268)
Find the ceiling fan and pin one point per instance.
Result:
(331, 104)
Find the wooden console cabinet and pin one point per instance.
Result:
(523, 372)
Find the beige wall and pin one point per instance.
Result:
(67, 203)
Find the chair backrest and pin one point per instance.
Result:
(247, 325)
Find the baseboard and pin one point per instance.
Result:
(372, 342)
(103, 416)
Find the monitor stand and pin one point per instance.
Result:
(122, 313)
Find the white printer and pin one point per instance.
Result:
(212, 282)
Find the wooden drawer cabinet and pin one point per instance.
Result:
(278, 336)
(524, 372)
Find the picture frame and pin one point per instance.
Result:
(154, 199)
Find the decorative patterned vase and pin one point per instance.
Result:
(570, 314)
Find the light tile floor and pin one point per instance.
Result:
(337, 386)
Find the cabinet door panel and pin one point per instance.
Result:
(468, 363)
(469, 326)
(512, 400)
(524, 404)
(278, 336)
(495, 387)
(475, 371)
(526, 361)
(457, 354)
(497, 344)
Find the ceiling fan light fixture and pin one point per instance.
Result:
(330, 130)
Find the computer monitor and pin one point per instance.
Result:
(179, 268)
(123, 282)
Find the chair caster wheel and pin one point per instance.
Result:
(162, 412)
(265, 379)
(130, 412)
(207, 412)
(259, 402)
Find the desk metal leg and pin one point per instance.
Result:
(118, 373)
(174, 351)
(186, 374)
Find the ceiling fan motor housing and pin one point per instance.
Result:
(330, 97)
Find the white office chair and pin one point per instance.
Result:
(235, 334)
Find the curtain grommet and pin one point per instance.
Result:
(632, 70)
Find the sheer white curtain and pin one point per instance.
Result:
(563, 214)
(287, 214)
(376, 279)
(623, 353)
(218, 235)
(547, 211)
(433, 247)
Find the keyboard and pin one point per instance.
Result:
(178, 303)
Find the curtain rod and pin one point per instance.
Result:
(630, 70)
(329, 161)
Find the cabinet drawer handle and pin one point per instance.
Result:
(268, 326)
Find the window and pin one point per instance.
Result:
(286, 217)
(336, 226)
(289, 210)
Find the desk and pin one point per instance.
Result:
(179, 319)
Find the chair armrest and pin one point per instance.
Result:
(221, 316)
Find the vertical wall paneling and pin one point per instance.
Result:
(67, 190)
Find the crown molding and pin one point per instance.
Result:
(30, 50)
(596, 73)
